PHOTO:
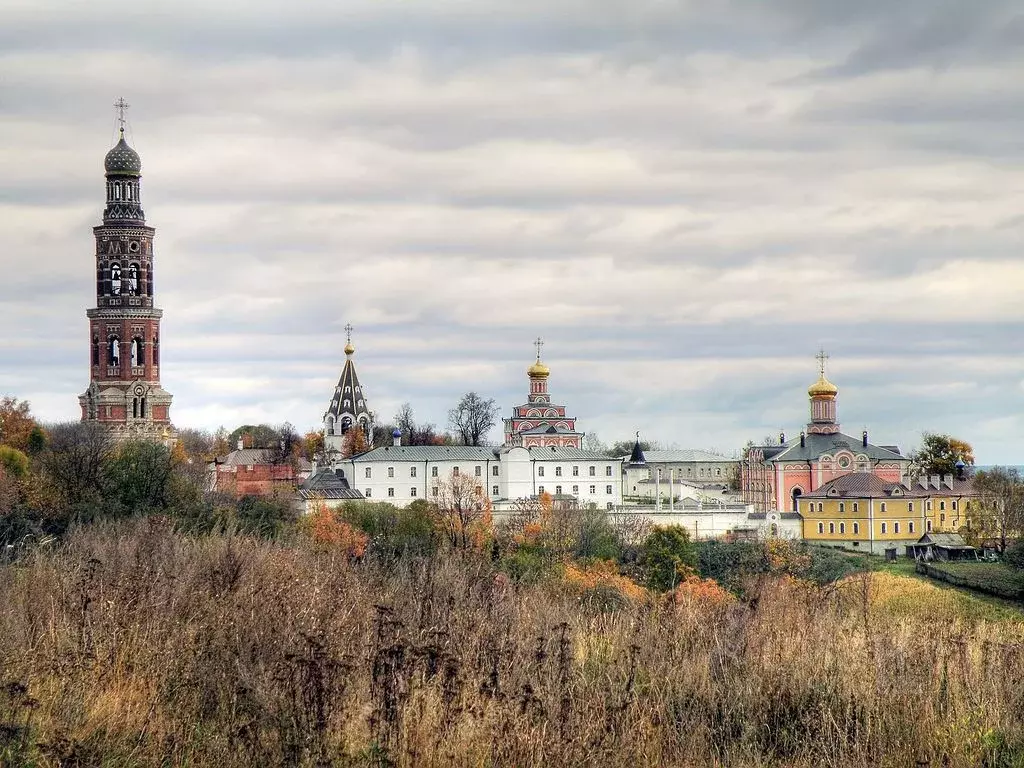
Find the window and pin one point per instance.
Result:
(558, 490)
(855, 505)
(608, 505)
(96, 350)
(821, 528)
(558, 471)
(883, 507)
(820, 507)
(608, 471)
(593, 489)
(576, 471)
(494, 490)
(368, 472)
(928, 504)
(433, 473)
(540, 471)
(575, 489)
(412, 492)
(842, 507)
(928, 526)
(896, 527)
(412, 471)
(910, 506)
(593, 471)
(831, 528)
(478, 471)
(942, 505)
(494, 471)
(435, 490)
(455, 471)
(391, 491)
(910, 526)
(953, 504)
(883, 527)
(608, 490)
(856, 528)
(391, 471)
(942, 518)
(368, 492)
(842, 527)
(540, 489)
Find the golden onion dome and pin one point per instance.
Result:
(349, 349)
(823, 388)
(538, 370)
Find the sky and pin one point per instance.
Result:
(686, 200)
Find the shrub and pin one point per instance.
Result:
(394, 532)
(667, 557)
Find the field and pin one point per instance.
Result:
(137, 646)
(993, 578)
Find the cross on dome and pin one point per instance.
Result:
(822, 358)
(349, 349)
(121, 106)
(538, 344)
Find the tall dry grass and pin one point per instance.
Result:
(136, 646)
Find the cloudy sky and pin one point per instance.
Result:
(685, 199)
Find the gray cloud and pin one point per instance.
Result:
(686, 199)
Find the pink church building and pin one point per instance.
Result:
(539, 423)
(773, 477)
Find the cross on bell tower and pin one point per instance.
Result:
(121, 106)
(539, 343)
(822, 358)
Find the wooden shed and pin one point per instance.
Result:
(941, 546)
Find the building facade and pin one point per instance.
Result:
(658, 474)
(864, 512)
(402, 474)
(539, 423)
(774, 477)
(124, 393)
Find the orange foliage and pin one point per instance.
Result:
(706, 592)
(785, 557)
(603, 575)
(330, 532)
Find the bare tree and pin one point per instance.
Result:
(463, 510)
(75, 460)
(413, 433)
(999, 510)
(472, 418)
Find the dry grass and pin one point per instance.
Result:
(137, 646)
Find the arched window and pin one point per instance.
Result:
(797, 493)
(330, 425)
(156, 350)
(114, 352)
(96, 350)
(138, 356)
(133, 279)
(149, 282)
(115, 279)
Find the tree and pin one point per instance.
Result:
(939, 454)
(196, 443)
(74, 461)
(668, 557)
(472, 418)
(998, 512)
(13, 462)
(16, 424)
(592, 442)
(354, 442)
(462, 511)
(314, 445)
(625, 447)
(136, 478)
(413, 433)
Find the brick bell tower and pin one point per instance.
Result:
(124, 391)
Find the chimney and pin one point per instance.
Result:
(864, 438)
(240, 444)
(803, 439)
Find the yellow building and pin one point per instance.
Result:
(862, 512)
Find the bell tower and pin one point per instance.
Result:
(124, 391)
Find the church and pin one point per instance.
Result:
(774, 477)
(348, 408)
(539, 423)
(124, 393)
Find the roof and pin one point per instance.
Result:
(122, 160)
(815, 445)
(861, 485)
(348, 398)
(428, 453)
(944, 540)
(249, 456)
(637, 456)
(683, 456)
(324, 479)
(329, 493)
(569, 454)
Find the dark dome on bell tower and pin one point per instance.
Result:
(122, 160)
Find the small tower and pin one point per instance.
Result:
(348, 406)
(538, 423)
(823, 402)
(124, 391)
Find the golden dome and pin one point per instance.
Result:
(538, 370)
(823, 388)
(349, 349)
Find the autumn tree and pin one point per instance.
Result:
(17, 427)
(314, 445)
(998, 512)
(75, 459)
(462, 511)
(354, 442)
(472, 418)
(939, 454)
(668, 557)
